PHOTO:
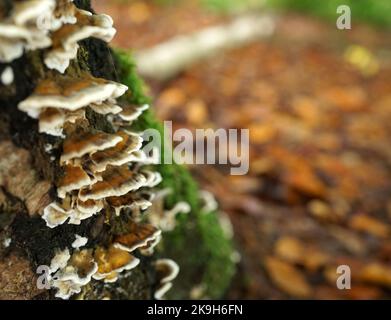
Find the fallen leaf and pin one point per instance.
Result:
(364, 223)
(295, 251)
(288, 278)
(196, 112)
(377, 274)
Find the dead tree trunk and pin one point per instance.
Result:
(81, 204)
(31, 172)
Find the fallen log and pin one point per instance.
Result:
(167, 59)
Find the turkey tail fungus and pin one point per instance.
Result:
(78, 196)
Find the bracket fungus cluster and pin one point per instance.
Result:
(22, 30)
(56, 26)
(102, 173)
(85, 25)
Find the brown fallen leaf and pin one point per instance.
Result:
(357, 292)
(169, 100)
(139, 12)
(376, 273)
(347, 98)
(350, 240)
(308, 109)
(323, 211)
(196, 112)
(364, 223)
(244, 184)
(288, 278)
(362, 292)
(295, 251)
(262, 133)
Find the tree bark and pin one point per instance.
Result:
(29, 169)
(27, 173)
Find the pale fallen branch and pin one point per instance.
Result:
(169, 58)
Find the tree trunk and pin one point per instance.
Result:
(30, 171)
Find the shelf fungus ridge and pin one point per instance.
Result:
(56, 26)
(104, 174)
(65, 39)
(22, 29)
(167, 270)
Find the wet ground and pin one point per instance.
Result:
(317, 101)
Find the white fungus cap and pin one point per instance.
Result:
(209, 201)
(65, 289)
(96, 92)
(59, 260)
(7, 76)
(31, 10)
(79, 241)
(169, 270)
(54, 215)
(22, 29)
(167, 221)
(171, 265)
(131, 113)
(162, 290)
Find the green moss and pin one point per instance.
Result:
(218, 251)
(126, 70)
(198, 243)
(204, 254)
(231, 6)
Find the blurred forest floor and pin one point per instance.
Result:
(317, 101)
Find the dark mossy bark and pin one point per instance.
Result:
(30, 237)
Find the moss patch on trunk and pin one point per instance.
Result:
(198, 243)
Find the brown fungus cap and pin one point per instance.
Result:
(74, 178)
(52, 120)
(118, 155)
(153, 178)
(166, 219)
(111, 262)
(83, 263)
(89, 206)
(107, 107)
(116, 181)
(130, 112)
(85, 143)
(132, 200)
(149, 248)
(139, 235)
(69, 93)
(64, 13)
